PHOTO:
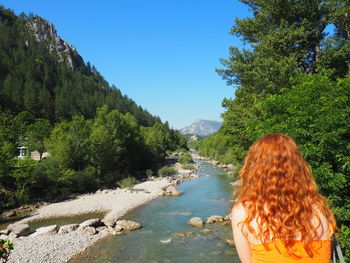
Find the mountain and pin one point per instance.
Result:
(202, 127)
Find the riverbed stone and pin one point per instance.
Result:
(9, 213)
(19, 229)
(89, 230)
(95, 222)
(5, 237)
(230, 242)
(171, 190)
(196, 221)
(46, 231)
(206, 230)
(5, 232)
(128, 225)
(214, 219)
(67, 229)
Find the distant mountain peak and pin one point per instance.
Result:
(202, 127)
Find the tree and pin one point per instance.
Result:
(36, 134)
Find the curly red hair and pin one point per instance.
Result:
(277, 186)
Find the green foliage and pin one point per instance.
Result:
(313, 112)
(149, 173)
(36, 134)
(128, 182)
(185, 158)
(166, 171)
(5, 249)
(95, 135)
(344, 240)
(187, 166)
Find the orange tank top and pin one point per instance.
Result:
(277, 253)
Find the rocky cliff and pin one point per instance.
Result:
(45, 31)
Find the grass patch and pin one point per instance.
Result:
(166, 171)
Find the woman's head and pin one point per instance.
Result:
(277, 187)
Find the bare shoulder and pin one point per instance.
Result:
(238, 213)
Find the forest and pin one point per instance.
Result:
(94, 136)
(292, 77)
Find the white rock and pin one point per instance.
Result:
(196, 221)
(214, 219)
(91, 222)
(67, 228)
(128, 225)
(46, 231)
(19, 229)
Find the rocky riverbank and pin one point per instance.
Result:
(55, 245)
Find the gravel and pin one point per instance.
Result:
(60, 248)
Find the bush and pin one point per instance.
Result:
(166, 171)
(149, 172)
(187, 166)
(128, 182)
(185, 158)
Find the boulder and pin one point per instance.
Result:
(10, 213)
(171, 190)
(196, 221)
(128, 225)
(230, 242)
(95, 222)
(67, 228)
(230, 173)
(227, 217)
(108, 222)
(19, 229)
(89, 230)
(206, 230)
(12, 236)
(4, 232)
(230, 166)
(214, 219)
(46, 231)
(4, 237)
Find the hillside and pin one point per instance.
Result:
(44, 75)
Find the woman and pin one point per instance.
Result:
(279, 216)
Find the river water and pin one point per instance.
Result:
(164, 218)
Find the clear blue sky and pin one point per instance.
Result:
(160, 53)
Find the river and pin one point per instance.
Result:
(164, 218)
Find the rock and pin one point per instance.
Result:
(89, 230)
(206, 230)
(118, 228)
(171, 190)
(4, 237)
(105, 191)
(46, 231)
(10, 213)
(214, 219)
(196, 221)
(19, 229)
(5, 232)
(230, 166)
(227, 217)
(230, 242)
(229, 252)
(162, 193)
(67, 228)
(108, 222)
(181, 234)
(128, 225)
(95, 222)
(12, 236)
(215, 162)
(230, 173)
